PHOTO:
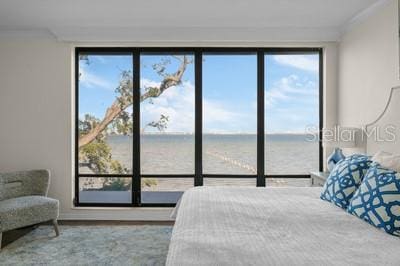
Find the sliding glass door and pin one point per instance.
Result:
(229, 118)
(154, 122)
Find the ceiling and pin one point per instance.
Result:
(151, 20)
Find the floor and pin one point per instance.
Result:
(90, 245)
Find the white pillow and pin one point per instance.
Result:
(387, 160)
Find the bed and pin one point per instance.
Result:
(255, 226)
(279, 226)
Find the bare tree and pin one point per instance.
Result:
(124, 100)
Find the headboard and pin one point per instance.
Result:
(383, 134)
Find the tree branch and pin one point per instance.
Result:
(168, 81)
(121, 103)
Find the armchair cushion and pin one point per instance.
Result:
(24, 183)
(25, 211)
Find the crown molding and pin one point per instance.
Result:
(362, 16)
(9, 34)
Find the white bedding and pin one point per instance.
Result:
(273, 226)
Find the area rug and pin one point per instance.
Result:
(90, 245)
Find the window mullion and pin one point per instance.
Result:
(198, 68)
(260, 120)
(136, 182)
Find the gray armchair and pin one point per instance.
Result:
(24, 201)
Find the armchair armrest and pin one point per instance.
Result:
(24, 183)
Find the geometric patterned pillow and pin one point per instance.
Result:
(344, 179)
(377, 200)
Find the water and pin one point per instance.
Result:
(222, 154)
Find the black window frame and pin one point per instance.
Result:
(198, 175)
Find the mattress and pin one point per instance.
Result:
(273, 226)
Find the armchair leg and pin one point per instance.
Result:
(55, 225)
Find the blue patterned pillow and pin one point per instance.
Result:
(377, 200)
(345, 179)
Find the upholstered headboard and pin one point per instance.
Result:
(383, 134)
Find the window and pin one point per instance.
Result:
(167, 125)
(230, 114)
(105, 127)
(153, 122)
(167, 117)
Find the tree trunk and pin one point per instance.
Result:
(112, 112)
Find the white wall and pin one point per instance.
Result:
(368, 66)
(36, 118)
(330, 92)
(35, 93)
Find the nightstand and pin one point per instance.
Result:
(318, 178)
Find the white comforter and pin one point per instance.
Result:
(273, 226)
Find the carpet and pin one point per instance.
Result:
(90, 245)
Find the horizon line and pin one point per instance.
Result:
(222, 133)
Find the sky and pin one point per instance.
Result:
(229, 92)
